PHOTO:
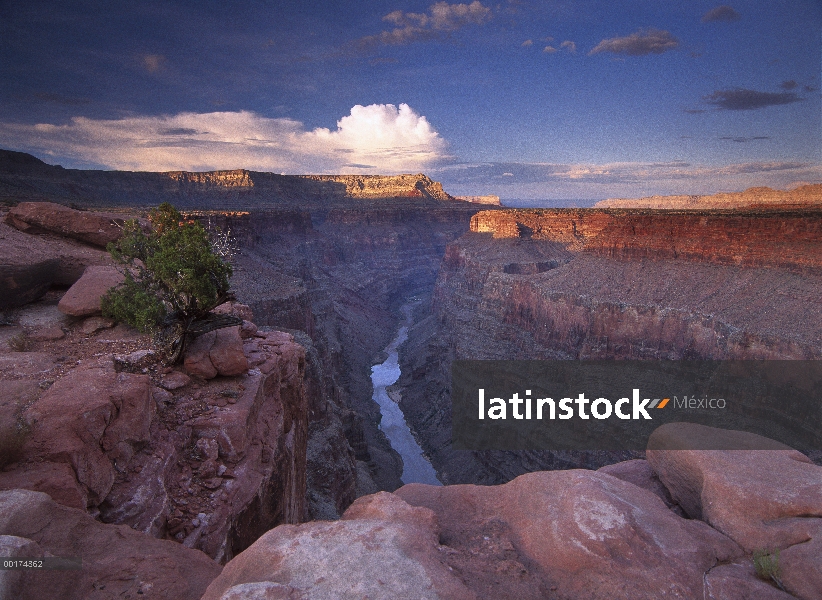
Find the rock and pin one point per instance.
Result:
(27, 270)
(175, 380)
(134, 362)
(94, 324)
(737, 581)
(215, 353)
(58, 480)
(92, 419)
(197, 362)
(231, 449)
(383, 548)
(117, 561)
(227, 354)
(762, 499)
(585, 534)
(97, 228)
(48, 334)
(83, 298)
(640, 473)
(235, 308)
(16, 583)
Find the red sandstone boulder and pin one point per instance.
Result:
(91, 419)
(83, 298)
(97, 228)
(640, 473)
(382, 549)
(117, 562)
(215, 353)
(27, 269)
(579, 534)
(762, 499)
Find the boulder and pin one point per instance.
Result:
(215, 353)
(27, 269)
(96, 228)
(762, 499)
(83, 298)
(117, 562)
(381, 549)
(91, 419)
(640, 473)
(580, 534)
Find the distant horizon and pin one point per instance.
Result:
(510, 202)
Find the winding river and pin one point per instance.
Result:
(416, 468)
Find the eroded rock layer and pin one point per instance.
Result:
(574, 284)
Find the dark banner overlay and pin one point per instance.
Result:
(615, 405)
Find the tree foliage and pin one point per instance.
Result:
(173, 278)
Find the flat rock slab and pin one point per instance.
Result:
(27, 268)
(762, 499)
(118, 562)
(83, 298)
(97, 228)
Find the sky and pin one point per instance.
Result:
(576, 99)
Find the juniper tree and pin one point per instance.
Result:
(173, 279)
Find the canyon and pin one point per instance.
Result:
(281, 471)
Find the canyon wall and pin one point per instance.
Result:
(752, 197)
(611, 284)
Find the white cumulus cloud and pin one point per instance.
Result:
(379, 138)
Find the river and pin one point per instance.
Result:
(416, 467)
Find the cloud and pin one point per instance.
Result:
(745, 139)
(527, 43)
(790, 84)
(550, 49)
(380, 138)
(721, 13)
(744, 99)
(152, 62)
(571, 46)
(441, 18)
(639, 43)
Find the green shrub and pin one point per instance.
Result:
(766, 565)
(19, 342)
(173, 278)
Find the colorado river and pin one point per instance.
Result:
(416, 468)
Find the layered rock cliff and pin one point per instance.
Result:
(573, 284)
(757, 196)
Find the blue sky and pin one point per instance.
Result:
(565, 99)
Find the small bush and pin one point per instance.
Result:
(766, 565)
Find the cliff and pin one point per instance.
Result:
(614, 284)
(25, 178)
(757, 196)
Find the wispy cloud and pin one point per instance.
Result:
(744, 99)
(527, 43)
(152, 62)
(790, 84)
(741, 139)
(721, 13)
(549, 50)
(569, 45)
(639, 43)
(380, 138)
(440, 19)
